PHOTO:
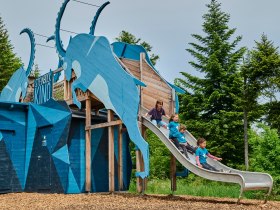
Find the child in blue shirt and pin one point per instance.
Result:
(156, 114)
(201, 155)
(176, 134)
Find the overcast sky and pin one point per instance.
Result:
(166, 25)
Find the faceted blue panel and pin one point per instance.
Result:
(62, 154)
(72, 183)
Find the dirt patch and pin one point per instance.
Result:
(124, 201)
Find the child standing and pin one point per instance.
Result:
(202, 154)
(156, 114)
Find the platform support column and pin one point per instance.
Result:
(110, 117)
(173, 173)
(140, 183)
(120, 158)
(88, 146)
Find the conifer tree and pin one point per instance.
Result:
(9, 63)
(212, 108)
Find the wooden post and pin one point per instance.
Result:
(144, 134)
(120, 158)
(65, 89)
(140, 166)
(88, 146)
(173, 173)
(139, 181)
(111, 152)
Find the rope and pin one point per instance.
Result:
(81, 2)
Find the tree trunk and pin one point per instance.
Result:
(246, 152)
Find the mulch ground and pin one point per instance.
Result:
(124, 201)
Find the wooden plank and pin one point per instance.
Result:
(155, 81)
(120, 158)
(65, 89)
(153, 87)
(58, 70)
(139, 182)
(102, 125)
(131, 63)
(173, 173)
(142, 57)
(110, 117)
(157, 95)
(88, 146)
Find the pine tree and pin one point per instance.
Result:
(212, 107)
(261, 73)
(131, 39)
(9, 63)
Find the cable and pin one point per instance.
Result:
(42, 45)
(41, 35)
(69, 31)
(93, 5)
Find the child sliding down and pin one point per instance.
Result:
(202, 154)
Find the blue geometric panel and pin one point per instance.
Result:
(62, 169)
(72, 183)
(62, 154)
(1, 136)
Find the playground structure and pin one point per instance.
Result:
(81, 144)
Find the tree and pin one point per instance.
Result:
(212, 105)
(259, 71)
(9, 63)
(36, 71)
(131, 39)
(265, 153)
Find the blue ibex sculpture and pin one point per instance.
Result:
(97, 70)
(17, 85)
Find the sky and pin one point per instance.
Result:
(166, 25)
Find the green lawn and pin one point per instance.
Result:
(197, 186)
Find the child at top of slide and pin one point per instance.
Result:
(156, 114)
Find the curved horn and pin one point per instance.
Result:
(93, 23)
(32, 53)
(58, 44)
(51, 38)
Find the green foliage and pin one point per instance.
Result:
(36, 71)
(9, 63)
(197, 186)
(212, 108)
(131, 39)
(265, 153)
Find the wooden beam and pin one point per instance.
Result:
(58, 70)
(139, 182)
(120, 158)
(173, 173)
(88, 146)
(142, 58)
(102, 125)
(110, 117)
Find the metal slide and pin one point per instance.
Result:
(246, 180)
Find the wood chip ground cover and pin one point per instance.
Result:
(124, 201)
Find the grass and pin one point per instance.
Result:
(196, 186)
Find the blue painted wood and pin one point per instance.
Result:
(98, 71)
(93, 24)
(17, 85)
(60, 62)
